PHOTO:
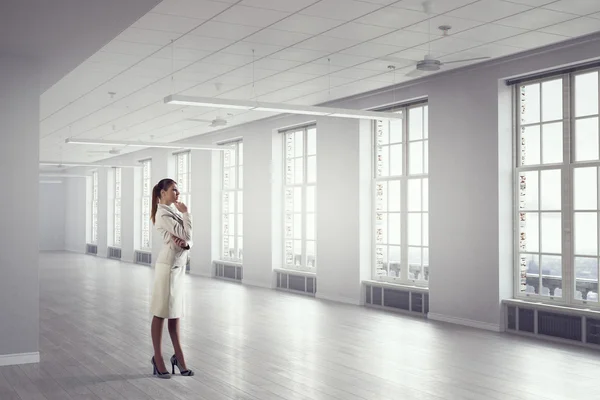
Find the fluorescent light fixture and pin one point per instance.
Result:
(46, 181)
(280, 107)
(95, 165)
(100, 142)
(46, 175)
(209, 102)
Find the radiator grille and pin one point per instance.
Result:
(91, 249)
(558, 325)
(296, 282)
(397, 299)
(143, 257)
(227, 271)
(593, 331)
(526, 320)
(114, 252)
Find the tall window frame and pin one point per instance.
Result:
(232, 202)
(300, 198)
(94, 232)
(553, 167)
(400, 197)
(183, 164)
(117, 207)
(146, 231)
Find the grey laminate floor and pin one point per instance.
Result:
(247, 343)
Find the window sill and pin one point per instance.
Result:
(295, 272)
(412, 288)
(570, 309)
(229, 262)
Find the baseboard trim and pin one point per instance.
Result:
(256, 284)
(337, 299)
(21, 358)
(464, 322)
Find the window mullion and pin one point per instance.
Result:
(567, 198)
(404, 199)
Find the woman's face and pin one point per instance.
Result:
(171, 195)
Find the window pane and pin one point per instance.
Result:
(241, 177)
(297, 226)
(232, 177)
(551, 233)
(530, 103)
(426, 122)
(415, 120)
(311, 166)
(585, 188)
(530, 232)
(241, 153)
(414, 229)
(586, 139)
(297, 199)
(425, 229)
(530, 269)
(426, 157)
(383, 161)
(297, 253)
(310, 199)
(298, 171)
(586, 233)
(426, 194)
(415, 157)
(311, 145)
(396, 129)
(289, 252)
(382, 225)
(231, 218)
(380, 260)
(414, 259)
(552, 100)
(382, 135)
(381, 195)
(586, 278)
(394, 228)
(240, 243)
(552, 138)
(394, 261)
(289, 200)
(551, 275)
(298, 143)
(551, 185)
(529, 190)
(240, 202)
(240, 224)
(394, 196)
(530, 145)
(414, 195)
(396, 160)
(311, 255)
(586, 94)
(310, 226)
(288, 225)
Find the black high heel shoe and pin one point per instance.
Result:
(162, 375)
(174, 363)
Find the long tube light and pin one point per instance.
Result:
(59, 175)
(96, 165)
(279, 107)
(101, 142)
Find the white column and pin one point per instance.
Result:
(19, 171)
(128, 213)
(201, 254)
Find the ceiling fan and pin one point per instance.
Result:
(429, 63)
(214, 123)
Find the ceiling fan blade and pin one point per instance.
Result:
(465, 60)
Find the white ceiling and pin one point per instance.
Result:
(305, 52)
(60, 34)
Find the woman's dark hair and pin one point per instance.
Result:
(164, 184)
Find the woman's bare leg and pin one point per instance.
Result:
(174, 332)
(156, 330)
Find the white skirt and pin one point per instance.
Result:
(167, 296)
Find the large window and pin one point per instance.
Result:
(300, 175)
(232, 206)
(401, 198)
(557, 172)
(184, 181)
(117, 209)
(146, 203)
(95, 207)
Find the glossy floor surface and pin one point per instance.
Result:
(250, 343)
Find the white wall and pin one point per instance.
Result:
(52, 216)
(19, 240)
(470, 190)
(76, 226)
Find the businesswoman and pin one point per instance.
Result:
(173, 222)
